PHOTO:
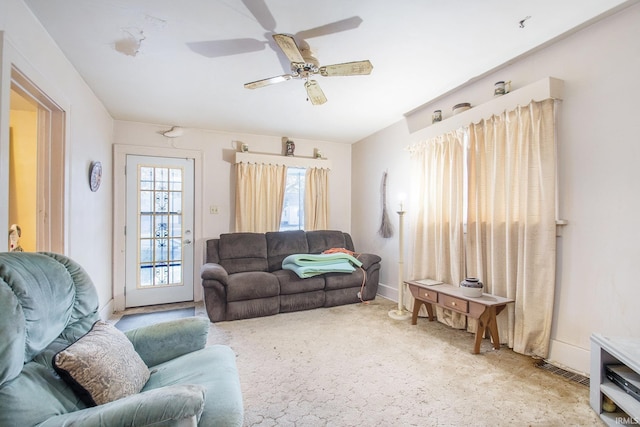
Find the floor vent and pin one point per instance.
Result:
(580, 379)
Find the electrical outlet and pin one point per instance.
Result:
(214, 210)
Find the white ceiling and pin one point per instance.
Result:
(419, 49)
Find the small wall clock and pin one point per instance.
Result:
(95, 175)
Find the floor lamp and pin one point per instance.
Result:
(400, 313)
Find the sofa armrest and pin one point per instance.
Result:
(368, 260)
(167, 340)
(213, 271)
(174, 405)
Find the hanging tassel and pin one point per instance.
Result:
(386, 229)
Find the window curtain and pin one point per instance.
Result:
(316, 199)
(259, 196)
(511, 232)
(437, 173)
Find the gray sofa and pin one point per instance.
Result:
(243, 277)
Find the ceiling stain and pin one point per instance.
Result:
(130, 44)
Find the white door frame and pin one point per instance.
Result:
(50, 216)
(14, 68)
(120, 153)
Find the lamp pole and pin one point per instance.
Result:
(400, 313)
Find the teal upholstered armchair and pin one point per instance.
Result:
(48, 309)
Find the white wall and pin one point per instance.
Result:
(218, 149)
(598, 151)
(88, 137)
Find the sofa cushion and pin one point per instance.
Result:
(341, 297)
(303, 301)
(41, 295)
(252, 285)
(241, 252)
(368, 260)
(102, 366)
(290, 283)
(178, 405)
(281, 244)
(212, 251)
(251, 308)
(170, 339)
(342, 280)
(36, 395)
(322, 240)
(223, 404)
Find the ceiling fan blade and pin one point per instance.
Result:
(261, 12)
(315, 94)
(218, 48)
(267, 82)
(334, 27)
(289, 47)
(347, 69)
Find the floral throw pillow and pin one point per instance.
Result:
(102, 366)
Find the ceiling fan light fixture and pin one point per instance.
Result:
(304, 69)
(314, 93)
(304, 66)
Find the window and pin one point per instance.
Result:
(293, 207)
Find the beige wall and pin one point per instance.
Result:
(598, 154)
(218, 150)
(23, 172)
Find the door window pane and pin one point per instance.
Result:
(160, 226)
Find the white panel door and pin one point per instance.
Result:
(159, 230)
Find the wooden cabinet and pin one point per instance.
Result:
(610, 351)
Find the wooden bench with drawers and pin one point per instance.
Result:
(484, 308)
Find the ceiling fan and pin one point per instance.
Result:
(304, 66)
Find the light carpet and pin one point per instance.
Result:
(355, 366)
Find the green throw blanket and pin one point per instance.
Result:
(309, 265)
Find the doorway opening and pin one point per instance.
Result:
(125, 228)
(36, 167)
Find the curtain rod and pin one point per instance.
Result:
(291, 161)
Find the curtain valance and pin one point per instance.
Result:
(546, 88)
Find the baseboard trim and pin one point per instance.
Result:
(388, 292)
(106, 311)
(569, 357)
